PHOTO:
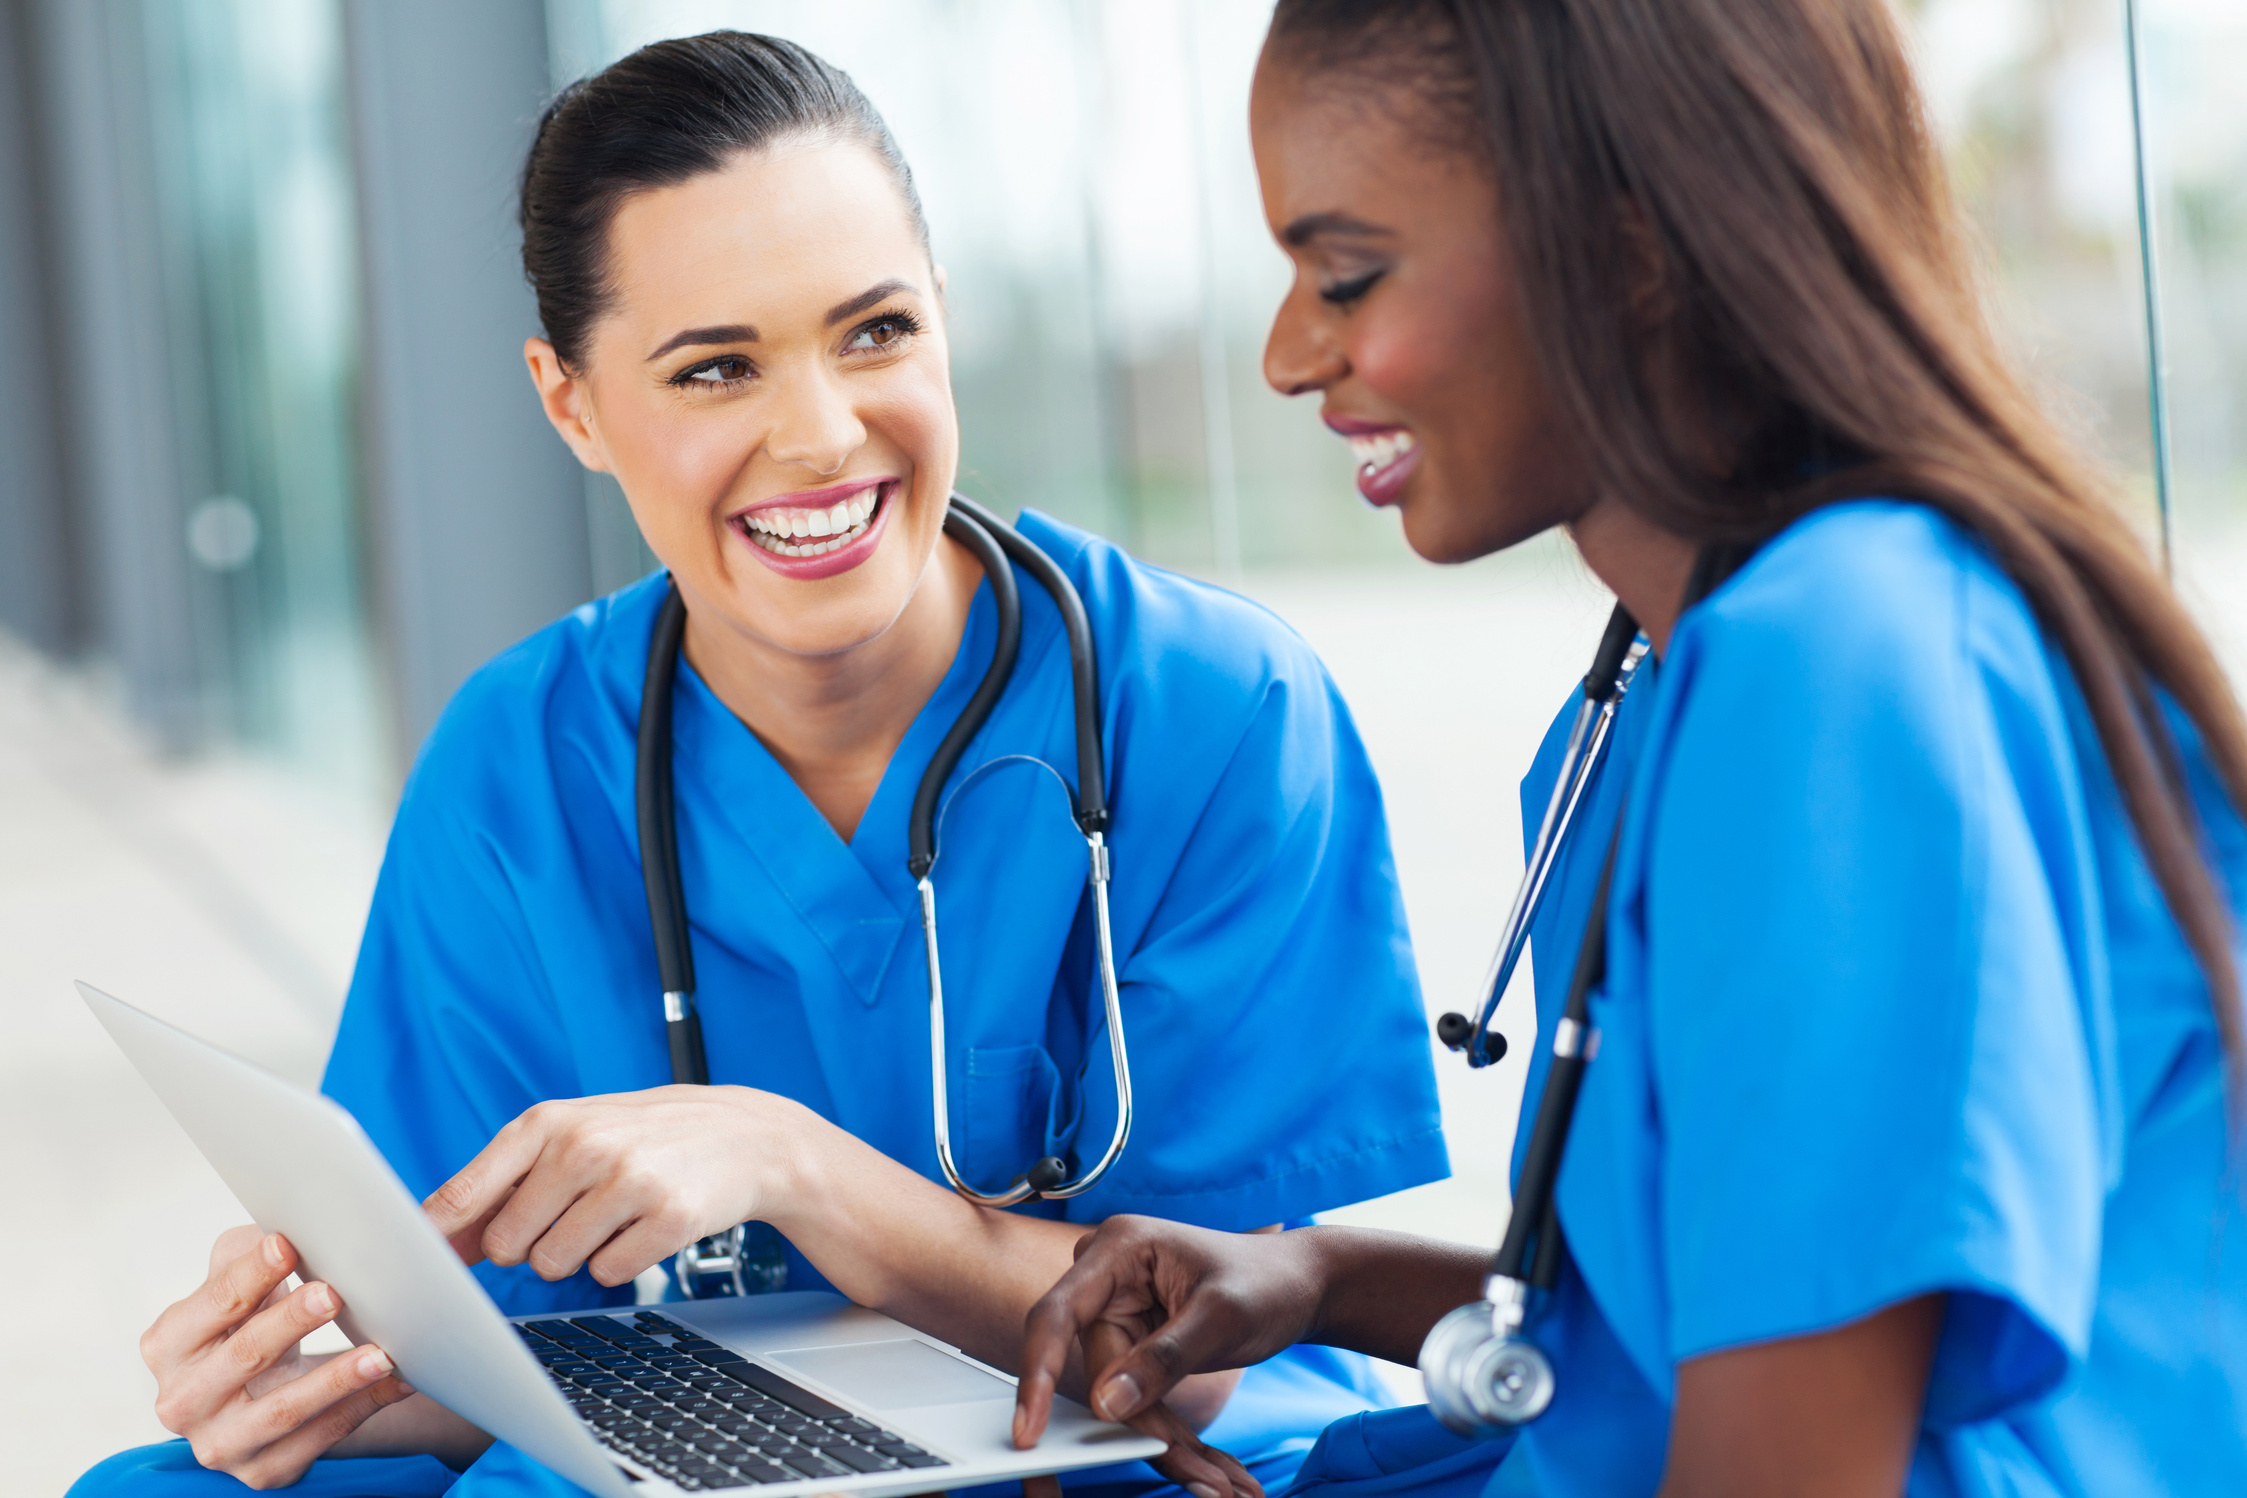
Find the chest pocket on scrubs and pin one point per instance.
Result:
(1009, 1113)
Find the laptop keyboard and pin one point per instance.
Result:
(696, 1412)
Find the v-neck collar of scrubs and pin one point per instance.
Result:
(856, 897)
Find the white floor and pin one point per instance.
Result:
(228, 896)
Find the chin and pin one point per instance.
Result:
(1441, 535)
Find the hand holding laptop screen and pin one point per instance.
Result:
(231, 1376)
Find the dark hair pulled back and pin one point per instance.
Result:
(1770, 163)
(669, 112)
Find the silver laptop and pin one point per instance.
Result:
(790, 1393)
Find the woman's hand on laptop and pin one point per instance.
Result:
(231, 1378)
(618, 1183)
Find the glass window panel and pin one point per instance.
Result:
(255, 202)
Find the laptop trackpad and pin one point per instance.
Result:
(899, 1375)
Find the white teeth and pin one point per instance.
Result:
(844, 522)
(1379, 449)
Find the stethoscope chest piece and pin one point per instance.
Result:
(1482, 1375)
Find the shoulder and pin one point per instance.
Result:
(1148, 621)
(1876, 596)
(576, 678)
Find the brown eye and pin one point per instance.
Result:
(723, 370)
(884, 332)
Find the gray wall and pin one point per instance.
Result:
(477, 510)
(36, 596)
(112, 377)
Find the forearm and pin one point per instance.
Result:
(1382, 1292)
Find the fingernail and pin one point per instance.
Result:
(320, 1300)
(1119, 1396)
(374, 1363)
(271, 1249)
(1202, 1490)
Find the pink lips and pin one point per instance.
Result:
(827, 564)
(1384, 485)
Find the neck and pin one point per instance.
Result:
(833, 721)
(1646, 566)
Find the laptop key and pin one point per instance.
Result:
(923, 1459)
(858, 1460)
(756, 1471)
(765, 1381)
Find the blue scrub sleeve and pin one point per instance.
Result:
(1282, 910)
(450, 1020)
(1399, 1453)
(1871, 999)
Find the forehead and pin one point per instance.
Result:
(770, 228)
(1326, 146)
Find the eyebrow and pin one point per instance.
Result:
(743, 333)
(865, 299)
(1311, 225)
(730, 333)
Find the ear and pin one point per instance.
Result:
(1653, 300)
(567, 403)
(943, 280)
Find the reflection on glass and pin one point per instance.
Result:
(2193, 54)
(254, 198)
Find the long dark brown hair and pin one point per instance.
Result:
(1766, 166)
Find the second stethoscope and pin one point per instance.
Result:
(1481, 1373)
(719, 1262)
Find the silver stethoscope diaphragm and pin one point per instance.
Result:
(1480, 1371)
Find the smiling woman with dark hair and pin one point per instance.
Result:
(744, 326)
(1892, 968)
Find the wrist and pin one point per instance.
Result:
(779, 1143)
(1323, 1252)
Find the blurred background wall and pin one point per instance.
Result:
(274, 469)
(274, 481)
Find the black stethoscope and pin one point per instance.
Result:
(1482, 1374)
(719, 1263)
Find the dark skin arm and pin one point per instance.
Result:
(1833, 1414)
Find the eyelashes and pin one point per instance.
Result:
(699, 375)
(885, 332)
(904, 323)
(1344, 293)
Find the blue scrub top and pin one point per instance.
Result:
(1279, 1052)
(1893, 1007)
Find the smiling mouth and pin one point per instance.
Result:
(1377, 450)
(798, 531)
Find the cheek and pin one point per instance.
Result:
(675, 465)
(912, 412)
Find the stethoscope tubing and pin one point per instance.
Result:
(1481, 1372)
(992, 542)
(1613, 665)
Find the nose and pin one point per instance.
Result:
(814, 424)
(1303, 353)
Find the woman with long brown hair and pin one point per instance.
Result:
(1893, 965)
